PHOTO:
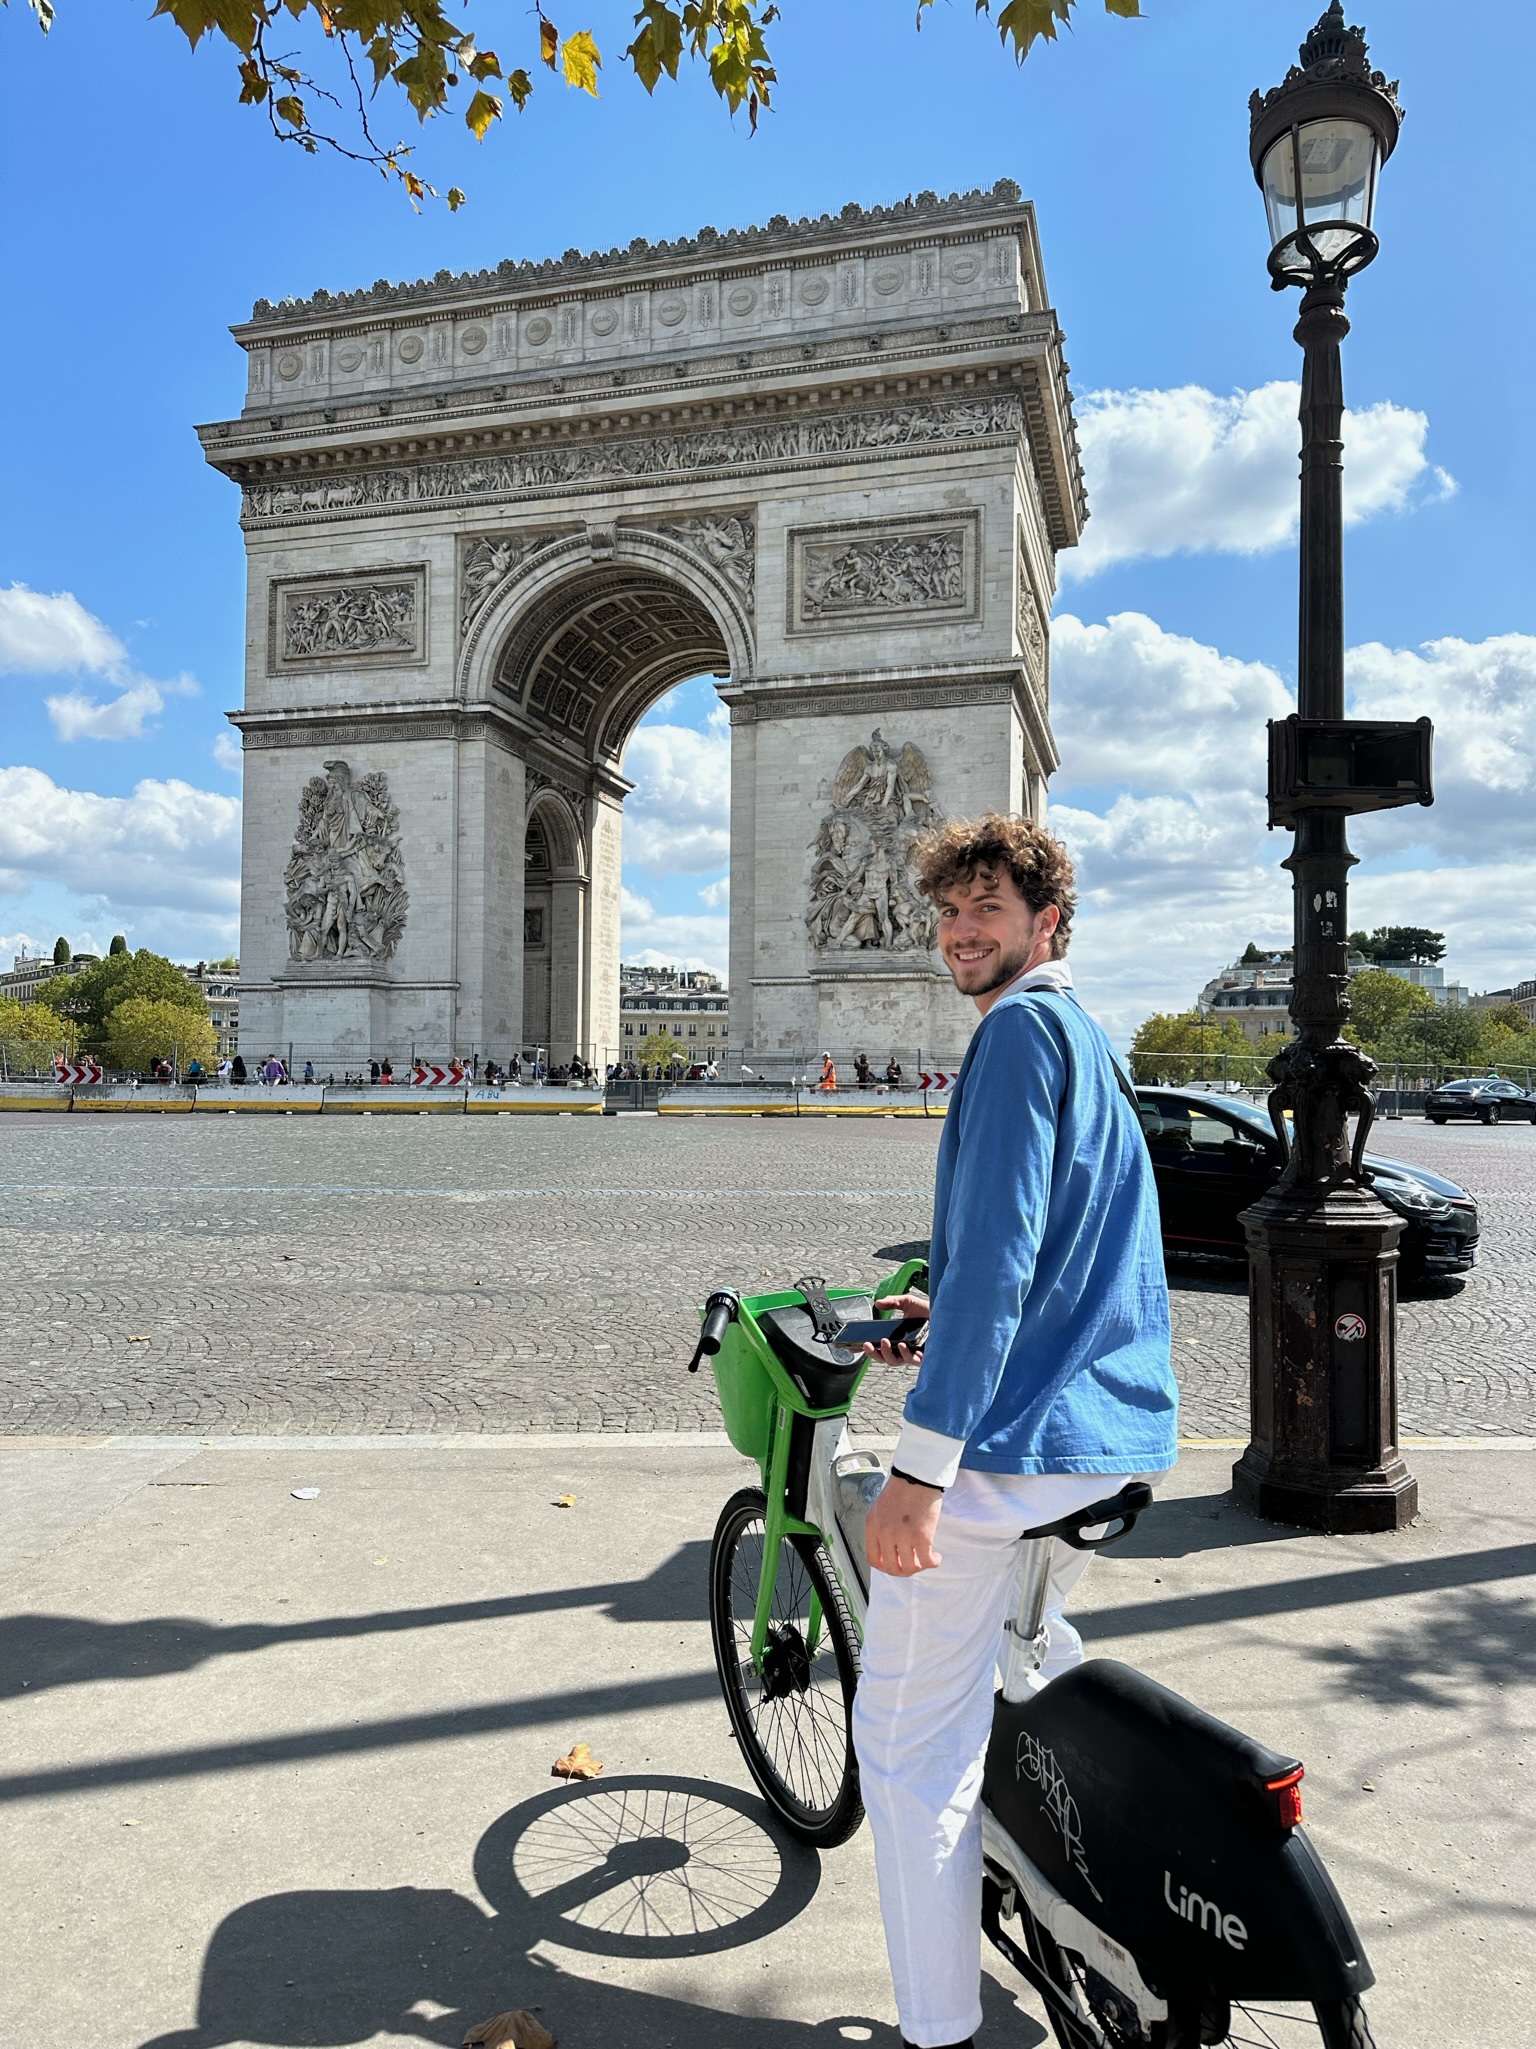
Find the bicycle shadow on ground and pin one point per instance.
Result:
(644, 1867)
(39, 1651)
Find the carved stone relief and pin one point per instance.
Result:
(1031, 625)
(345, 878)
(554, 466)
(861, 891)
(728, 541)
(872, 573)
(380, 618)
(537, 780)
(485, 559)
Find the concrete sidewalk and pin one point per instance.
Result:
(278, 1772)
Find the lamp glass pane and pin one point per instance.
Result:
(1337, 159)
(1278, 177)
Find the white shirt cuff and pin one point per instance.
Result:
(928, 1456)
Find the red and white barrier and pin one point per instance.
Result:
(77, 1074)
(936, 1083)
(431, 1074)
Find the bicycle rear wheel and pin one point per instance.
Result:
(1112, 2019)
(793, 1719)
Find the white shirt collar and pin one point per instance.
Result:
(1051, 974)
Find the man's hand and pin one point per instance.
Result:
(901, 1305)
(900, 1531)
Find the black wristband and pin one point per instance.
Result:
(913, 1481)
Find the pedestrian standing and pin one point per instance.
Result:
(1045, 1382)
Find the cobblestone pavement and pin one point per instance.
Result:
(277, 1277)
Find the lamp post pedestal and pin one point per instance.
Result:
(1323, 1389)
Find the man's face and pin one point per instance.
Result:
(988, 934)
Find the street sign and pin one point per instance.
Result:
(936, 1083)
(77, 1074)
(430, 1074)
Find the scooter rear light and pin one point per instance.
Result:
(1287, 1792)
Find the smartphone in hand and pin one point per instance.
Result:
(886, 1330)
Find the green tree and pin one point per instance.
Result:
(1379, 1003)
(32, 1033)
(61, 952)
(119, 944)
(88, 998)
(143, 1029)
(663, 1050)
(1504, 1044)
(1508, 1016)
(431, 63)
(1177, 1047)
(1400, 942)
(1436, 1036)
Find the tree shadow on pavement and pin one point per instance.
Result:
(645, 1867)
(1455, 1656)
(42, 1651)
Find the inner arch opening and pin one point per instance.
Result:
(597, 653)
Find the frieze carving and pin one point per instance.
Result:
(1031, 627)
(728, 542)
(559, 466)
(486, 560)
(345, 877)
(853, 221)
(862, 895)
(380, 618)
(874, 573)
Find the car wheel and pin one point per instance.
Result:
(1437, 1120)
(1492, 1114)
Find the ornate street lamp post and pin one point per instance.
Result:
(1322, 1246)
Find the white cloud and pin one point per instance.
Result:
(167, 845)
(1138, 706)
(227, 753)
(1189, 472)
(679, 818)
(660, 939)
(1482, 698)
(716, 894)
(1161, 801)
(43, 635)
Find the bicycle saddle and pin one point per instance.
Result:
(802, 1341)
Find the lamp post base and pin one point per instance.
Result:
(1323, 1295)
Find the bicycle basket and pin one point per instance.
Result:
(750, 1381)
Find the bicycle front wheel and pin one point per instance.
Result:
(1261, 2024)
(794, 1717)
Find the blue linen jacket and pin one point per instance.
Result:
(1049, 1348)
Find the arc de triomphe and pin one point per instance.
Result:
(490, 519)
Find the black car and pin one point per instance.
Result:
(1213, 1155)
(1489, 1100)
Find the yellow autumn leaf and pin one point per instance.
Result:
(580, 61)
(482, 110)
(549, 42)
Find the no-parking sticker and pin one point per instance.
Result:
(1349, 1327)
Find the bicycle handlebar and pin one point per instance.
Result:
(720, 1312)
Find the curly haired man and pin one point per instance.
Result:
(1046, 1368)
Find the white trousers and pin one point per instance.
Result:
(922, 1718)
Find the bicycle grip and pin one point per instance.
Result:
(716, 1324)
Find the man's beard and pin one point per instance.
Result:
(1009, 965)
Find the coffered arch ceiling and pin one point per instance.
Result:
(595, 653)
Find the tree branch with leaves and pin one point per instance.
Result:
(375, 51)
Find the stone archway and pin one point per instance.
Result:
(490, 519)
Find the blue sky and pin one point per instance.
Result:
(147, 211)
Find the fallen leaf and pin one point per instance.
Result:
(1367, 1785)
(580, 1764)
(305, 1493)
(381, 1561)
(517, 2026)
(138, 1341)
(130, 1824)
(564, 1501)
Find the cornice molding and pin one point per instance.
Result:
(1004, 205)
